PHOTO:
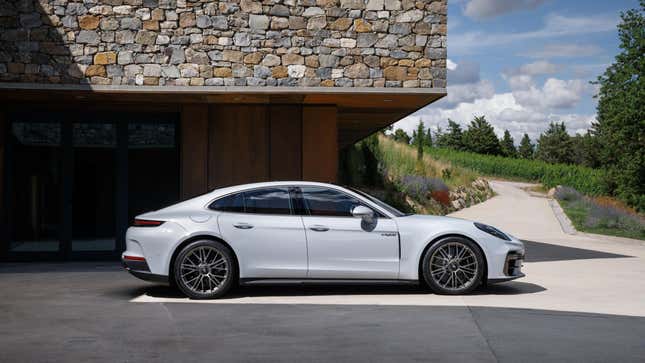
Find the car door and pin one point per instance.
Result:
(267, 236)
(342, 246)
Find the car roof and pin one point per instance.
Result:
(233, 188)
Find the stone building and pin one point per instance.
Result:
(113, 107)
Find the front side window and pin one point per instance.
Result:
(328, 202)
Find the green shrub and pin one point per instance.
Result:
(586, 180)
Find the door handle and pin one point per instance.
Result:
(319, 228)
(243, 226)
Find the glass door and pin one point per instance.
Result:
(93, 186)
(74, 181)
(34, 181)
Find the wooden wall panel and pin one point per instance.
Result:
(194, 150)
(319, 143)
(238, 145)
(286, 142)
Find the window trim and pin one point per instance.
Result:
(385, 214)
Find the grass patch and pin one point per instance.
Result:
(600, 215)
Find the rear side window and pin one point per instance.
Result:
(328, 202)
(268, 201)
(231, 203)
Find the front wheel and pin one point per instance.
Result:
(453, 266)
(205, 270)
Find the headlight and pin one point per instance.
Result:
(492, 231)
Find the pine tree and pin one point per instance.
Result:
(480, 137)
(428, 140)
(620, 128)
(526, 149)
(401, 136)
(508, 145)
(554, 145)
(419, 140)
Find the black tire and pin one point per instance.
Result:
(457, 270)
(205, 272)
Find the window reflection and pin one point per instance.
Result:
(329, 202)
(267, 201)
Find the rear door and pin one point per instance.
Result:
(267, 236)
(342, 246)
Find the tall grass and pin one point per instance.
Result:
(400, 160)
(585, 180)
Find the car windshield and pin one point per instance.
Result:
(380, 203)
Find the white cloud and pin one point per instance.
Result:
(482, 9)
(554, 26)
(450, 65)
(503, 112)
(536, 68)
(527, 108)
(564, 51)
(467, 92)
(555, 93)
(462, 73)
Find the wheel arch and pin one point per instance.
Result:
(175, 253)
(438, 238)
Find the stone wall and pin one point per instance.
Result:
(331, 43)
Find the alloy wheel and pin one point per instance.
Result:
(204, 269)
(454, 266)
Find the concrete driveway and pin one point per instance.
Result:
(583, 300)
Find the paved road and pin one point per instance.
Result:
(583, 300)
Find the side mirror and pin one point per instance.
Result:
(361, 211)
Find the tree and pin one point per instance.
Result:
(428, 140)
(452, 138)
(419, 139)
(526, 149)
(480, 137)
(620, 126)
(508, 145)
(401, 136)
(554, 145)
(585, 150)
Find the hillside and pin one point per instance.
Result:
(391, 170)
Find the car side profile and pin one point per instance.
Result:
(312, 231)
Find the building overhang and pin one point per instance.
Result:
(361, 111)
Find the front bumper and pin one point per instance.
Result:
(512, 267)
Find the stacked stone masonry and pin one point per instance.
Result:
(330, 43)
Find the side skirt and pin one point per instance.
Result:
(292, 281)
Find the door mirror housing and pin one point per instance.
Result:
(361, 211)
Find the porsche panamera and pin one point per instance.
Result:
(278, 231)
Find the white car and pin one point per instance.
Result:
(312, 231)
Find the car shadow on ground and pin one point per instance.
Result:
(545, 252)
(310, 289)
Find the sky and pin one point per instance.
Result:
(525, 63)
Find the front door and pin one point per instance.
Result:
(341, 246)
(268, 237)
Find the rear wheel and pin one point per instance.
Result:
(453, 266)
(205, 270)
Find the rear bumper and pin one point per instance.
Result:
(139, 268)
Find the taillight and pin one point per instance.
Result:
(146, 223)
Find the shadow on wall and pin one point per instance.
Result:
(34, 47)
